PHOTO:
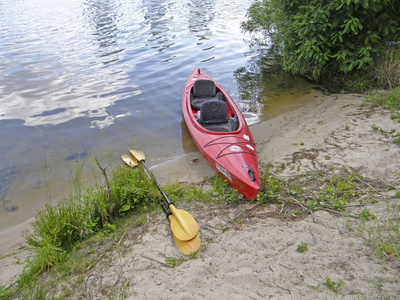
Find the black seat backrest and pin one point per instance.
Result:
(204, 88)
(214, 112)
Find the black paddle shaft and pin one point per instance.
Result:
(158, 186)
(167, 212)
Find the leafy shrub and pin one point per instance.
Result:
(319, 39)
(132, 191)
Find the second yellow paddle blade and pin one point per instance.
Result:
(128, 161)
(137, 154)
(188, 247)
(183, 225)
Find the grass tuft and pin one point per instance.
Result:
(386, 99)
(57, 229)
(302, 247)
(331, 190)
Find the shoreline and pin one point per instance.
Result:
(10, 235)
(332, 131)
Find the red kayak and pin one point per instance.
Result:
(221, 133)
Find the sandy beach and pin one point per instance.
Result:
(257, 258)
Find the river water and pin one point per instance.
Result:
(83, 78)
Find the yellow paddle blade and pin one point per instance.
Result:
(188, 247)
(183, 225)
(128, 161)
(137, 154)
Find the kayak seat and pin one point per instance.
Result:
(214, 116)
(203, 90)
(213, 112)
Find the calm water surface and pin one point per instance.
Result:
(96, 77)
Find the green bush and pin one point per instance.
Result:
(321, 39)
(132, 190)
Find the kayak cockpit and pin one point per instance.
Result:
(211, 108)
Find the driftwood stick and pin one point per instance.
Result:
(385, 182)
(157, 261)
(91, 265)
(108, 186)
(338, 212)
(309, 210)
(121, 239)
(367, 184)
(242, 212)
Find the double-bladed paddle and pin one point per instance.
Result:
(183, 225)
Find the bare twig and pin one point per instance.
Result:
(366, 183)
(310, 211)
(385, 182)
(330, 210)
(157, 261)
(354, 205)
(283, 205)
(121, 239)
(338, 212)
(242, 212)
(108, 186)
(90, 266)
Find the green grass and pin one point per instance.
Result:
(83, 257)
(392, 134)
(335, 191)
(173, 261)
(332, 190)
(384, 234)
(332, 285)
(302, 247)
(184, 191)
(57, 229)
(386, 99)
(88, 215)
(5, 293)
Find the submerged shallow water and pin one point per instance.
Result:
(96, 77)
